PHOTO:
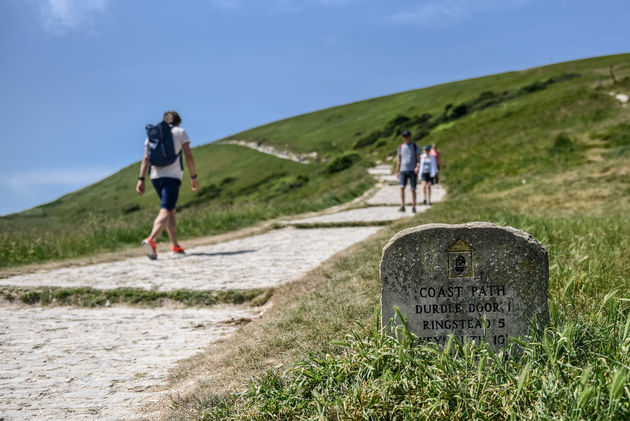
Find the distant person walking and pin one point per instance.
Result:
(429, 170)
(166, 180)
(407, 165)
(436, 154)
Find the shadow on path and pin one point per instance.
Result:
(221, 253)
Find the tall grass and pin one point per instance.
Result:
(552, 163)
(577, 368)
(380, 376)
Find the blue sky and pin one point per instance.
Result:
(80, 78)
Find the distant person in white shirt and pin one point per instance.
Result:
(166, 181)
(407, 164)
(428, 170)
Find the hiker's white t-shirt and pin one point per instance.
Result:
(175, 169)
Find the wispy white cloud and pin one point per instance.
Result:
(22, 182)
(447, 12)
(65, 15)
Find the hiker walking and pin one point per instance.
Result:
(407, 165)
(429, 170)
(436, 154)
(163, 153)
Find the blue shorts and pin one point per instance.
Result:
(408, 175)
(168, 191)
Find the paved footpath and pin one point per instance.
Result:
(260, 261)
(66, 363)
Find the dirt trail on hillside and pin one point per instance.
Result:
(65, 363)
(282, 153)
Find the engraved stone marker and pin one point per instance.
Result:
(465, 279)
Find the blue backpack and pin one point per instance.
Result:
(161, 147)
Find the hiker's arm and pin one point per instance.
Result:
(398, 165)
(144, 165)
(417, 169)
(190, 162)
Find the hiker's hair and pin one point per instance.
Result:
(172, 118)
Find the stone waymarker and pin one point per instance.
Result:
(446, 278)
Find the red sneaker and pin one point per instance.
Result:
(150, 247)
(178, 249)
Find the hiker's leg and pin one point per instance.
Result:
(403, 184)
(171, 227)
(169, 194)
(159, 223)
(429, 188)
(414, 183)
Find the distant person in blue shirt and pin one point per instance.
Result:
(407, 166)
(428, 171)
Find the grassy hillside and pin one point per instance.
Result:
(339, 128)
(547, 152)
(505, 125)
(238, 187)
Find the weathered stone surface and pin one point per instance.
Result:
(450, 278)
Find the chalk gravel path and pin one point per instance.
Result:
(81, 364)
(65, 363)
(260, 261)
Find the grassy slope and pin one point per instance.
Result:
(239, 187)
(109, 215)
(554, 163)
(336, 129)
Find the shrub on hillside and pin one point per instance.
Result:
(486, 99)
(342, 162)
(562, 143)
(533, 87)
(618, 139)
(422, 133)
(539, 86)
(131, 209)
(394, 125)
(380, 143)
(460, 110)
(289, 183)
(368, 140)
(207, 193)
(562, 77)
(420, 121)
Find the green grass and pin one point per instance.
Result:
(577, 369)
(382, 377)
(552, 162)
(90, 297)
(337, 129)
